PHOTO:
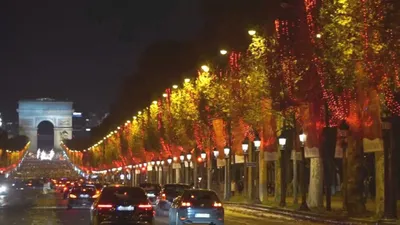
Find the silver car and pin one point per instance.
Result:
(197, 206)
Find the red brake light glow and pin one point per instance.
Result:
(145, 206)
(217, 204)
(186, 204)
(72, 196)
(105, 206)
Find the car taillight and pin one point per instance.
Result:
(72, 196)
(186, 204)
(217, 204)
(146, 207)
(104, 206)
(163, 196)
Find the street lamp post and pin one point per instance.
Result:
(169, 175)
(245, 148)
(189, 158)
(139, 178)
(282, 144)
(216, 154)
(153, 174)
(203, 156)
(343, 134)
(227, 151)
(257, 144)
(158, 172)
(390, 205)
(164, 179)
(303, 206)
(182, 160)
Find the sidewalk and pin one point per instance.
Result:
(336, 216)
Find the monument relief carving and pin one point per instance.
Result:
(26, 123)
(64, 122)
(64, 135)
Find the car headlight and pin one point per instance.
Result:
(3, 188)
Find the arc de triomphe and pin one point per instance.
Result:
(32, 112)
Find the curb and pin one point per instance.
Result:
(289, 214)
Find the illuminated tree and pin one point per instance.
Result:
(184, 113)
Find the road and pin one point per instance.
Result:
(51, 210)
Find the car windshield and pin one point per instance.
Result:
(88, 189)
(200, 197)
(123, 194)
(150, 187)
(176, 189)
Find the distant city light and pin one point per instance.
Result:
(251, 32)
(223, 52)
(205, 68)
(77, 114)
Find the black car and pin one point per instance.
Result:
(168, 193)
(122, 205)
(197, 207)
(152, 191)
(82, 196)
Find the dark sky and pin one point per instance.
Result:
(53, 48)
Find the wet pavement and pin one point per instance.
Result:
(51, 210)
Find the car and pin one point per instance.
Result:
(152, 191)
(83, 195)
(167, 195)
(122, 205)
(67, 189)
(197, 206)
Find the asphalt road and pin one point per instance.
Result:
(51, 210)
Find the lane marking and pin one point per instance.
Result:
(59, 207)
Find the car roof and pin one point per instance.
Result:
(199, 190)
(169, 185)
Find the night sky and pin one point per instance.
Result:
(54, 48)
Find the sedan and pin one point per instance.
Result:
(82, 196)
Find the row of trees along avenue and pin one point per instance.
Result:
(328, 69)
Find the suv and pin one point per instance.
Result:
(122, 205)
(152, 191)
(168, 194)
(197, 206)
(82, 196)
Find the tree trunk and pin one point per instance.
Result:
(379, 183)
(315, 191)
(355, 204)
(295, 197)
(278, 178)
(262, 177)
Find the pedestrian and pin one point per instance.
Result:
(233, 187)
(45, 187)
(240, 187)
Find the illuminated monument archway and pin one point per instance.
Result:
(32, 112)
